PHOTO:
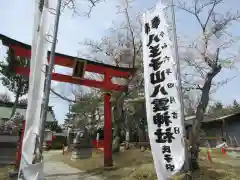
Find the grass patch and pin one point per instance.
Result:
(4, 170)
(136, 165)
(215, 153)
(125, 163)
(206, 172)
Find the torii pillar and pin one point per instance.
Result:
(108, 162)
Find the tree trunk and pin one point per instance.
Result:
(141, 137)
(141, 133)
(15, 103)
(201, 109)
(116, 139)
(118, 116)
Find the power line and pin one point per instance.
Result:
(62, 97)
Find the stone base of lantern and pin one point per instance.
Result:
(109, 168)
(81, 152)
(75, 151)
(82, 146)
(45, 146)
(75, 155)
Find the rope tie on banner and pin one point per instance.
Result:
(49, 37)
(38, 151)
(45, 66)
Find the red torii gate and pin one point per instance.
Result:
(24, 50)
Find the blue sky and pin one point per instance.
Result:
(16, 20)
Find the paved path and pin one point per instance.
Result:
(57, 170)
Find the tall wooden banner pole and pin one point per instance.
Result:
(49, 75)
(179, 81)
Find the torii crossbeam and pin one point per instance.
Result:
(24, 50)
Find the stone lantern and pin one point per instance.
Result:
(82, 145)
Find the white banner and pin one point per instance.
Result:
(35, 94)
(162, 100)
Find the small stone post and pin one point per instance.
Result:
(97, 138)
(69, 139)
(75, 147)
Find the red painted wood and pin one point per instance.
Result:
(107, 131)
(99, 144)
(110, 71)
(85, 82)
(19, 151)
(20, 51)
(68, 61)
(209, 157)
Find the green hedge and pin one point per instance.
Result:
(58, 141)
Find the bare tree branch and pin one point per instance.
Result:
(205, 58)
(72, 5)
(93, 4)
(211, 11)
(98, 47)
(131, 32)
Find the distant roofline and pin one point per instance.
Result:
(19, 106)
(209, 118)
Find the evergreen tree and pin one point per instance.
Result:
(86, 111)
(53, 126)
(14, 82)
(4, 98)
(216, 107)
(23, 101)
(236, 106)
(68, 120)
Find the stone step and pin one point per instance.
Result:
(7, 162)
(8, 151)
(8, 145)
(7, 155)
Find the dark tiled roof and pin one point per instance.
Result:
(6, 109)
(19, 106)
